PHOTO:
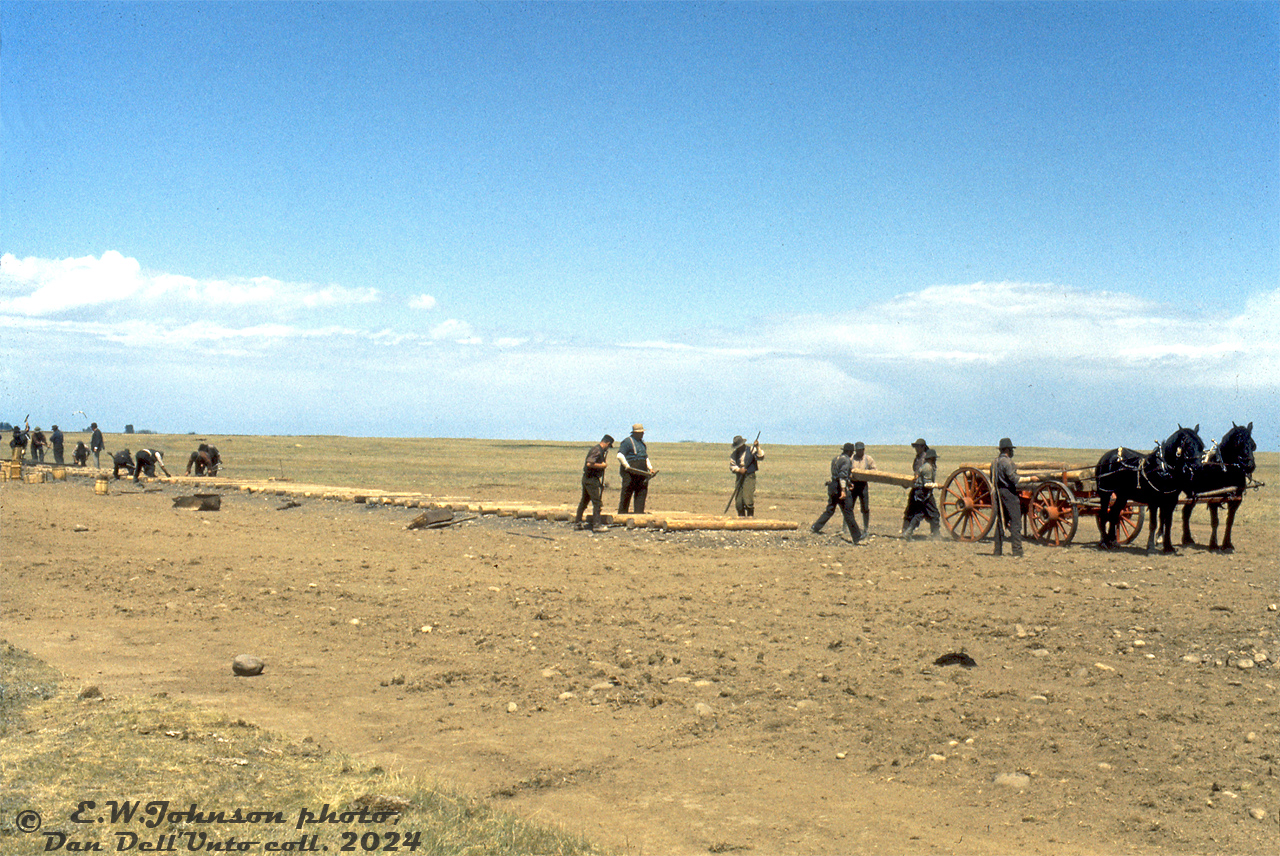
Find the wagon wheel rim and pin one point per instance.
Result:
(1129, 525)
(1052, 515)
(967, 510)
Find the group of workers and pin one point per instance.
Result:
(844, 489)
(204, 461)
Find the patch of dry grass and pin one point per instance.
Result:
(58, 749)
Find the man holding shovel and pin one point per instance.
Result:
(593, 469)
(744, 461)
(637, 469)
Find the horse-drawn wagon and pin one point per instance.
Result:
(1055, 495)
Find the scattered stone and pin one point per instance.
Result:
(355, 622)
(1260, 657)
(79, 527)
(1040, 652)
(1192, 658)
(1104, 767)
(512, 707)
(1251, 737)
(956, 659)
(90, 692)
(937, 757)
(199, 502)
(704, 710)
(433, 518)
(1258, 813)
(397, 680)
(246, 666)
(1121, 585)
(565, 696)
(1104, 667)
(1039, 699)
(840, 756)
(1244, 663)
(1013, 780)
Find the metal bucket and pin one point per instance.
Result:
(59, 473)
(13, 470)
(102, 487)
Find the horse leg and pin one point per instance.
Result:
(1104, 511)
(1187, 540)
(1166, 520)
(1153, 513)
(1232, 506)
(1213, 522)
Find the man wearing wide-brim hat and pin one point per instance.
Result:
(637, 469)
(1008, 504)
(921, 447)
(744, 461)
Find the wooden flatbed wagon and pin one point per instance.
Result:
(1055, 495)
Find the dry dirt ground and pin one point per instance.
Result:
(695, 692)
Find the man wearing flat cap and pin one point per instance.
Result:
(593, 469)
(1008, 505)
(744, 461)
(637, 469)
(921, 447)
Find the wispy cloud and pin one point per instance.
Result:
(50, 287)
(455, 331)
(1054, 364)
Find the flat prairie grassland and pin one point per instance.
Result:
(694, 476)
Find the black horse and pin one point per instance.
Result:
(1230, 465)
(1155, 480)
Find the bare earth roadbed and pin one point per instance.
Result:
(700, 691)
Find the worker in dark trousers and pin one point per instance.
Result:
(839, 495)
(1004, 480)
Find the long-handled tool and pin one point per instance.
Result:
(737, 487)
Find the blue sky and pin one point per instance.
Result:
(1054, 221)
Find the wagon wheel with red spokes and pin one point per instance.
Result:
(1051, 515)
(966, 505)
(1130, 523)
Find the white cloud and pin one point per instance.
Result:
(33, 286)
(47, 287)
(1060, 364)
(1044, 329)
(453, 330)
